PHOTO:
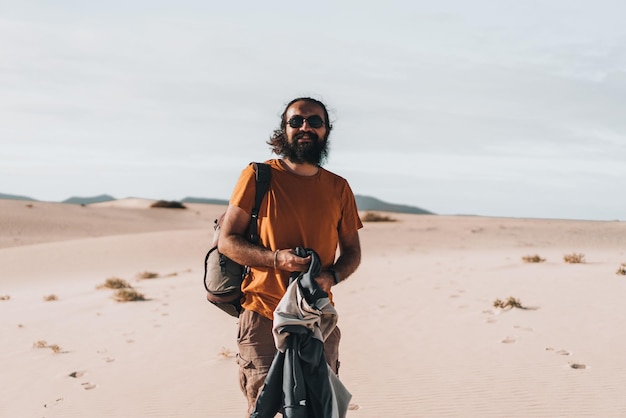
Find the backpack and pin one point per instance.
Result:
(223, 276)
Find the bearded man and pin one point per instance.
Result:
(306, 206)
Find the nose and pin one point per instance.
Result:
(305, 126)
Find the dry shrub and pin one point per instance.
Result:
(533, 259)
(43, 344)
(621, 269)
(128, 295)
(40, 344)
(148, 275)
(50, 298)
(376, 217)
(5, 297)
(227, 353)
(55, 348)
(115, 283)
(168, 204)
(574, 258)
(510, 303)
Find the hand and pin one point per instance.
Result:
(325, 280)
(289, 261)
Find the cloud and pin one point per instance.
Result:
(523, 98)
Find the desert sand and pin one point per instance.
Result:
(421, 334)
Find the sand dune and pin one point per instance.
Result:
(421, 337)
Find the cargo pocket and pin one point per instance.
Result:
(252, 373)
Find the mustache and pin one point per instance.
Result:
(311, 135)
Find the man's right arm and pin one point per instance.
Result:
(233, 244)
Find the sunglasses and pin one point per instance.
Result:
(314, 121)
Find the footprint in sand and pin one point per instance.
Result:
(88, 385)
(490, 316)
(77, 374)
(523, 328)
(509, 340)
(53, 403)
(559, 352)
(579, 366)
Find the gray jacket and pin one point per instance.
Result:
(300, 383)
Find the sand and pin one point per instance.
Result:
(421, 335)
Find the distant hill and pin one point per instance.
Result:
(205, 200)
(88, 200)
(365, 203)
(16, 197)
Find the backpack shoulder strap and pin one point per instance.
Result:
(263, 175)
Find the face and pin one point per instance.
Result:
(306, 143)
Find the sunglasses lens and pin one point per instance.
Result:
(315, 121)
(296, 121)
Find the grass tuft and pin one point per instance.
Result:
(55, 348)
(533, 259)
(621, 269)
(128, 295)
(43, 344)
(376, 217)
(574, 258)
(510, 303)
(148, 275)
(169, 204)
(115, 283)
(40, 344)
(227, 353)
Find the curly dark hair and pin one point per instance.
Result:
(278, 139)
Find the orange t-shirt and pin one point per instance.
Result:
(298, 211)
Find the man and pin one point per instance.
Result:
(306, 206)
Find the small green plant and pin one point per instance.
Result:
(621, 269)
(533, 259)
(128, 295)
(115, 283)
(148, 275)
(376, 217)
(510, 303)
(574, 258)
(50, 298)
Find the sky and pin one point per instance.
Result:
(484, 107)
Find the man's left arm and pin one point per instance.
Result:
(346, 264)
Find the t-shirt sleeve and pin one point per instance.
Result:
(244, 192)
(350, 220)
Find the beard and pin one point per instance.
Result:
(314, 152)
